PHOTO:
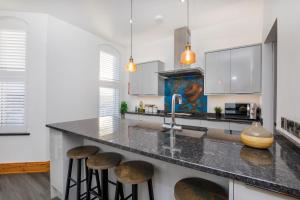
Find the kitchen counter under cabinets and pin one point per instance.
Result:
(205, 120)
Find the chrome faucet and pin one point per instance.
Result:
(173, 125)
(173, 106)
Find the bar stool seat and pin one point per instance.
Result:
(82, 152)
(134, 172)
(104, 160)
(198, 189)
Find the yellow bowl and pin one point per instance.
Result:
(257, 142)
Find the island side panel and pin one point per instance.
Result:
(243, 191)
(60, 143)
(165, 177)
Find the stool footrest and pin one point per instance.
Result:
(111, 182)
(75, 182)
(128, 197)
(93, 192)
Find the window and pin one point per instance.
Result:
(109, 80)
(12, 80)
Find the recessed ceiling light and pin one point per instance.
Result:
(182, 1)
(159, 19)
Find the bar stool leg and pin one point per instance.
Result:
(104, 182)
(117, 191)
(89, 184)
(121, 192)
(150, 189)
(78, 179)
(134, 192)
(98, 183)
(86, 173)
(69, 179)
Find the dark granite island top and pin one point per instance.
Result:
(209, 150)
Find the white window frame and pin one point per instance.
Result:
(8, 23)
(109, 84)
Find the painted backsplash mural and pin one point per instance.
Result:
(192, 90)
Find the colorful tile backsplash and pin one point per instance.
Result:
(192, 90)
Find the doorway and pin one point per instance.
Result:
(270, 45)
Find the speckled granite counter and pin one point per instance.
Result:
(202, 116)
(212, 151)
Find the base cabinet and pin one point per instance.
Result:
(241, 191)
(185, 122)
(190, 122)
(238, 126)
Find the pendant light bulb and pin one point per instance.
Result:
(188, 57)
(131, 66)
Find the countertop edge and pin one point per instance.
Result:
(258, 183)
(222, 119)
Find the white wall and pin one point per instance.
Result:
(62, 82)
(288, 59)
(72, 72)
(231, 34)
(35, 146)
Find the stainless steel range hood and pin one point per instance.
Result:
(181, 37)
(187, 71)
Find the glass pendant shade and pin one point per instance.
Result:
(131, 66)
(188, 57)
(257, 136)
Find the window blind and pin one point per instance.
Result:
(109, 67)
(109, 77)
(12, 80)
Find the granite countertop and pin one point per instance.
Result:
(209, 150)
(202, 116)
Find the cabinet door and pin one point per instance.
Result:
(217, 72)
(135, 82)
(245, 65)
(214, 124)
(238, 126)
(149, 78)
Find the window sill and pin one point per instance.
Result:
(15, 134)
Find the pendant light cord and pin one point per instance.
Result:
(188, 13)
(131, 22)
(187, 20)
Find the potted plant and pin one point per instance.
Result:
(123, 109)
(218, 111)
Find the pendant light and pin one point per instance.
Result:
(188, 57)
(131, 66)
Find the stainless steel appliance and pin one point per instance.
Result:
(242, 111)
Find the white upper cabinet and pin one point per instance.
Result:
(135, 82)
(246, 69)
(217, 72)
(145, 81)
(233, 71)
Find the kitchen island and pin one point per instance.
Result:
(212, 154)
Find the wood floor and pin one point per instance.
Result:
(25, 187)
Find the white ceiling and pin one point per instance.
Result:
(110, 18)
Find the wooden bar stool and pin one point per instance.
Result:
(78, 153)
(134, 172)
(101, 161)
(199, 189)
